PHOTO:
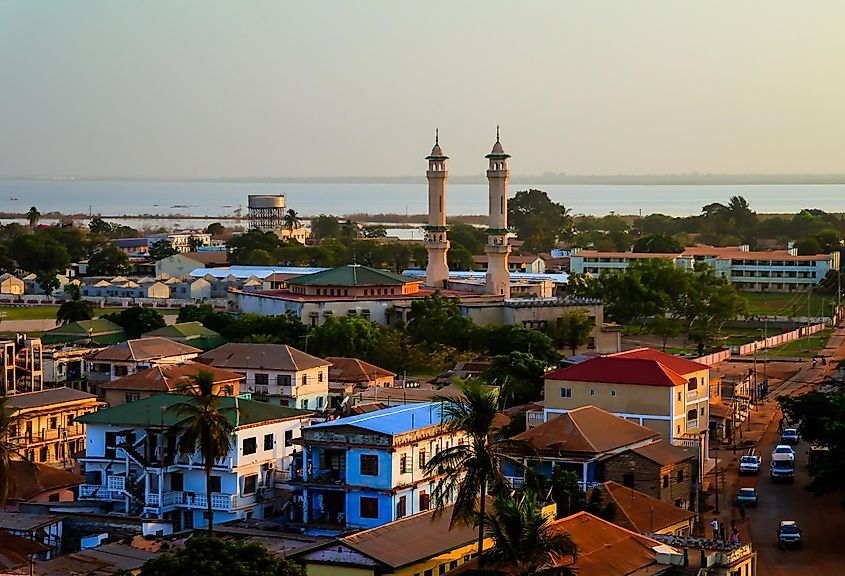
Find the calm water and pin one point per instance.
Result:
(221, 199)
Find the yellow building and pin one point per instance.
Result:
(47, 432)
(666, 393)
(427, 547)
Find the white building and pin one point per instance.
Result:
(276, 372)
(182, 241)
(132, 461)
(756, 271)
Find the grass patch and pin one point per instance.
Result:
(775, 304)
(49, 312)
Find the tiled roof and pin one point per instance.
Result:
(352, 275)
(641, 512)
(157, 410)
(355, 370)
(662, 453)
(643, 366)
(49, 397)
(144, 349)
(393, 421)
(587, 430)
(168, 378)
(279, 357)
(30, 480)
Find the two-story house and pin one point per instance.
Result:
(133, 356)
(132, 461)
(277, 373)
(48, 430)
(367, 470)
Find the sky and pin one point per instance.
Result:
(225, 89)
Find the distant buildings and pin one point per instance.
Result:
(181, 265)
(755, 271)
(131, 461)
(21, 365)
(132, 356)
(182, 242)
(266, 212)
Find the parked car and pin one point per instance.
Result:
(790, 436)
(747, 497)
(784, 449)
(749, 464)
(789, 534)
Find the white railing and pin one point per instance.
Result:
(692, 394)
(94, 492)
(220, 502)
(116, 483)
(691, 424)
(515, 481)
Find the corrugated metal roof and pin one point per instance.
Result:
(355, 370)
(559, 278)
(663, 453)
(168, 378)
(144, 349)
(236, 356)
(641, 512)
(352, 275)
(28, 400)
(245, 272)
(392, 421)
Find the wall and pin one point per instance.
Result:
(777, 340)
(648, 476)
(177, 266)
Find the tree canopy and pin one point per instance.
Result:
(137, 320)
(538, 221)
(109, 261)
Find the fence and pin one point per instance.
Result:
(777, 340)
(714, 358)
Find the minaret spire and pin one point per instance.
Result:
(498, 279)
(436, 243)
(437, 136)
(497, 132)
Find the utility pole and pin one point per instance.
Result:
(716, 478)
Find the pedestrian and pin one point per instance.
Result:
(780, 425)
(814, 361)
(715, 526)
(735, 535)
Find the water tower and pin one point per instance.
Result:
(266, 212)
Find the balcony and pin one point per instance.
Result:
(692, 425)
(51, 434)
(515, 481)
(193, 500)
(692, 395)
(100, 493)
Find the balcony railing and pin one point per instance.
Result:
(102, 493)
(195, 500)
(49, 434)
(692, 394)
(692, 424)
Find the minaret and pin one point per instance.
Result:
(436, 244)
(498, 249)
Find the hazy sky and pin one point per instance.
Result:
(311, 88)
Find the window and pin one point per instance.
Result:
(401, 507)
(262, 379)
(692, 414)
(692, 385)
(422, 459)
(121, 370)
(680, 476)
(320, 376)
(43, 457)
(628, 480)
(679, 396)
(369, 465)
(132, 397)
(53, 497)
(441, 569)
(665, 480)
(268, 441)
(288, 437)
(592, 391)
(369, 507)
(250, 484)
(283, 380)
(304, 379)
(613, 392)
(320, 401)
(425, 499)
(303, 403)
(453, 564)
(216, 484)
(678, 429)
(54, 423)
(177, 482)
(70, 418)
(429, 572)
(566, 392)
(250, 445)
(702, 411)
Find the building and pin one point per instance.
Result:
(420, 544)
(581, 440)
(498, 248)
(367, 470)
(132, 356)
(660, 470)
(526, 264)
(98, 331)
(713, 557)
(132, 246)
(48, 430)
(358, 374)
(167, 379)
(66, 366)
(266, 212)
(181, 265)
(644, 514)
(276, 372)
(11, 285)
(40, 483)
(666, 393)
(436, 233)
(189, 333)
(182, 242)
(131, 461)
(756, 271)
(22, 365)
(190, 288)
(44, 529)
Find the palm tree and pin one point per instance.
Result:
(291, 220)
(75, 309)
(9, 425)
(469, 470)
(524, 541)
(205, 426)
(33, 216)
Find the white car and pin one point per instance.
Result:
(749, 464)
(784, 449)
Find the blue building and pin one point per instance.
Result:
(367, 470)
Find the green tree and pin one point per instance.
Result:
(809, 246)
(240, 247)
(258, 257)
(195, 243)
(7, 263)
(100, 227)
(459, 258)
(520, 376)
(743, 217)
(572, 329)
(710, 300)
(470, 237)
(437, 319)
(525, 543)
(11, 425)
(33, 216)
(502, 339)
(204, 427)
(48, 282)
(109, 261)
(204, 556)
(215, 228)
(137, 320)
(291, 220)
(538, 221)
(39, 254)
(75, 242)
(324, 226)
(466, 472)
(162, 249)
(658, 243)
(75, 309)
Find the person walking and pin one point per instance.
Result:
(735, 535)
(715, 526)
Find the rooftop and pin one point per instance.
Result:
(717, 252)
(643, 366)
(193, 332)
(26, 522)
(352, 275)
(663, 453)
(30, 480)
(279, 357)
(587, 430)
(640, 512)
(98, 330)
(260, 272)
(169, 378)
(159, 410)
(393, 421)
(355, 370)
(143, 349)
(50, 397)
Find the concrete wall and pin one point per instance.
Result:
(649, 476)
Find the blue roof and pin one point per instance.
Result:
(395, 420)
(261, 272)
(129, 242)
(559, 278)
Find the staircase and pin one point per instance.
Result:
(137, 496)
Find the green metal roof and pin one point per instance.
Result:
(98, 330)
(158, 410)
(352, 275)
(193, 333)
